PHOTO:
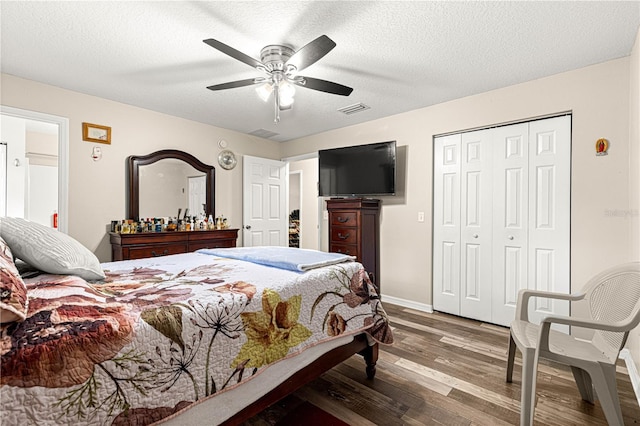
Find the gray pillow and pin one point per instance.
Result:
(48, 249)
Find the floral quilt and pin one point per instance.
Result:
(159, 334)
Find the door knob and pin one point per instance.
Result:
(247, 227)
(511, 237)
(475, 235)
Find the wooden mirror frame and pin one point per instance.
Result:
(135, 161)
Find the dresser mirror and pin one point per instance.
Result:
(164, 181)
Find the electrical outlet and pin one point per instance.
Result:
(420, 216)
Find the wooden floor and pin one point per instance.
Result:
(446, 370)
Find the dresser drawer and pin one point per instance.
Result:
(349, 249)
(344, 218)
(151, 244)
(197, 245)
(155, 250)
(344, 235)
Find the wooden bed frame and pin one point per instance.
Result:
(359, 345)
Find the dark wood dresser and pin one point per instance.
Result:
(153, 244)
(354, 229)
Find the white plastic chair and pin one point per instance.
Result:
(613, 297)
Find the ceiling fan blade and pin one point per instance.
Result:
(236, 54)
(312, 52)
(234, 84)
(324, 86)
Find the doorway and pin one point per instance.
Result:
(295, 198)
(30, 162)
(305, 169)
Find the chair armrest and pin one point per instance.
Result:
(522, 305)
(545, 327)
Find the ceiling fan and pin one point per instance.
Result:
(281, 65)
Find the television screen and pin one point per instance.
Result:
(361, 170)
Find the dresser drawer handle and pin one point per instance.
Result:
(342, 219)
(343, 236)
(164, 253)
(343, 252)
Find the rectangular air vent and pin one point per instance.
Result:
(264, 133)
(352, 109)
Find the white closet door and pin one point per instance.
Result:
(502, 219)
(510, 220)
(549, 217)
(475, 230)
(446, 224)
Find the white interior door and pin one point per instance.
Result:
(549, 213)
(446, 224)
(476, 227)
(13, 134)
(510, 221)
(265, 202)
(510, 228)
(197, 194)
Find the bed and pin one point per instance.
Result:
(192, 338)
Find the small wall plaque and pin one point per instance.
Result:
(96, 133)
(602, 145)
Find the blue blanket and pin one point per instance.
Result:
(293, 259)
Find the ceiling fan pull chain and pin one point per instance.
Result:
(276, 102)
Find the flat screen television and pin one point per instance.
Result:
(358, 171)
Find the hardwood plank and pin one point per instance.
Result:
(344, 413)
(447, 370)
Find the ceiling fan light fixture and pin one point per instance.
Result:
(286, 91)
(264, 91)
(286, 103)
(281, 64)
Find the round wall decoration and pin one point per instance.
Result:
(227, 159)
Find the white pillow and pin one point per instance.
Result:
(48, 249)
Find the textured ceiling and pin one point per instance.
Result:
(398, 56)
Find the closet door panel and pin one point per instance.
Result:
(475, 232)
(446, 224)
(510, 219)
(549, 220)
(509, 227)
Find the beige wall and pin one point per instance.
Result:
(598, 96)
(97, 189)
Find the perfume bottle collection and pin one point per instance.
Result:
(169, 224)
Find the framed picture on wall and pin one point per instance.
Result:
(96, 133)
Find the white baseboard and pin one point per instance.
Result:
(625, 354)
(407, 303)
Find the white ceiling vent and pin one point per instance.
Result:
(264, 133)
(352, 109)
